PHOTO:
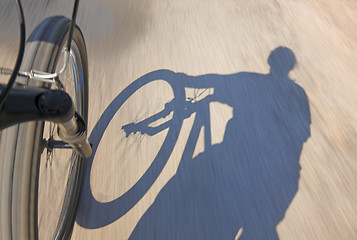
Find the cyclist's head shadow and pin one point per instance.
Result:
(270, 124)
(281, 60)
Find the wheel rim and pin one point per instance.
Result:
(56, 165)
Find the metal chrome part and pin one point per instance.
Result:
(42, 76)
(74, 133)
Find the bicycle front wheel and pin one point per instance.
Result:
(40, 185)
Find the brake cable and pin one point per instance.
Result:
(20, 54)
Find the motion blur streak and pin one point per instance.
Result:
(283, 75)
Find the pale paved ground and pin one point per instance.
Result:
(128, 39)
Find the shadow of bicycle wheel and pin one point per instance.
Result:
(94, 214)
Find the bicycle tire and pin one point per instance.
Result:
(22, 145)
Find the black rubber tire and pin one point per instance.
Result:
(21, 146)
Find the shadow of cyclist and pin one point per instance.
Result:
(248, 181)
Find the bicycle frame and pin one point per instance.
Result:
(20, 104)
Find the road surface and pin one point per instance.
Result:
(283, 132)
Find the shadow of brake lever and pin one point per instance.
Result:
(143, 126)
(131, 128)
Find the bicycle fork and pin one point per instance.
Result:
(37, 104)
